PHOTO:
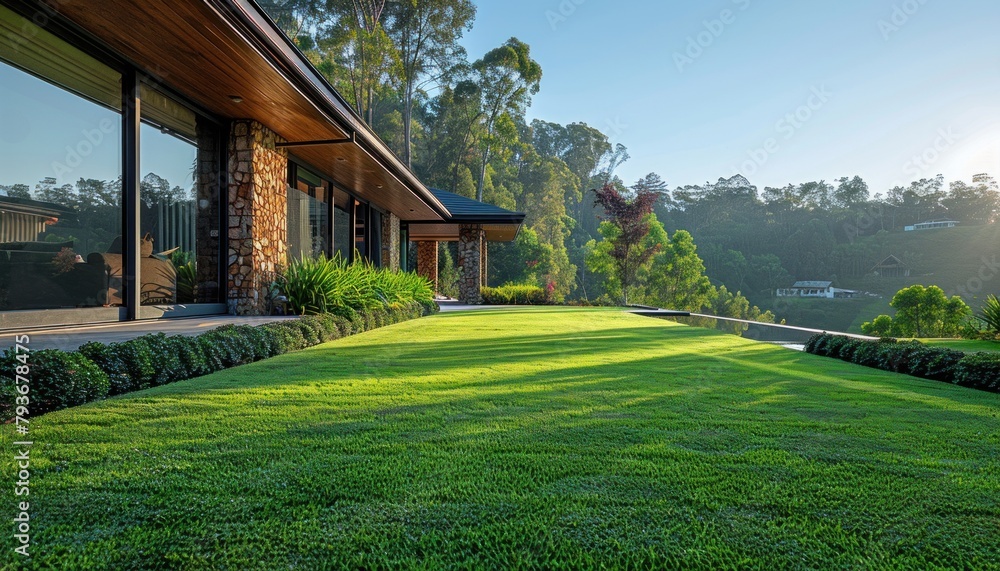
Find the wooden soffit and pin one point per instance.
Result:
(215, 52)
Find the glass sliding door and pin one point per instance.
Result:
(178, 202)
(61, 175)
(361, 227)
(308, 214)
(342, 223)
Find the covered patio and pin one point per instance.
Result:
(473, 225)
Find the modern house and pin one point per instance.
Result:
(933, 225)
(192, 129)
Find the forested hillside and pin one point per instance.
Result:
(460, 121)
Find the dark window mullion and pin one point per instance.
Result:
(130, 193)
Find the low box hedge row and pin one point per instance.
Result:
(975, 370)
(515, 295)
(60, 379)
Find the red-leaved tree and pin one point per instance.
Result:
(628, 216)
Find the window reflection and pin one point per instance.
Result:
(179, 236)
(308, 214)
(60, 180)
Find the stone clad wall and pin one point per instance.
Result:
(484, 263)
(258, 203)
(470, 244)
(390, 242)
(208, 240)
(427, 261)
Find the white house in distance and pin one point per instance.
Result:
(933, 225)
(817, 290)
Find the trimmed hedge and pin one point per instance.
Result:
(95, 371)
(515, 295)
(975, 370)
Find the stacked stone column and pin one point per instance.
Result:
(484, 264)
(390, 242)
(427, 261)
(470, 249)
(258, 203)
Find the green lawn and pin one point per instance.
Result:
(544, 438)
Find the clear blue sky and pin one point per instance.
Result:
(923, 80)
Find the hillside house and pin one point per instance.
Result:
(933, 225)
(891, 267)
(809, 289)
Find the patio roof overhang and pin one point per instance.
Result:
(228, 57)
(500, 224)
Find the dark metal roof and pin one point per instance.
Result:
(464, 209)
(33, 207)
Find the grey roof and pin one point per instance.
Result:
(464, 209)
(821, 285)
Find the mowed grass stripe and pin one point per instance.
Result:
(534, 438)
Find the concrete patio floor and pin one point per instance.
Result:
(71, 338)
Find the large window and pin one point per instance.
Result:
(342, 223)
(60, 180)
(308, 213)
(179, 202)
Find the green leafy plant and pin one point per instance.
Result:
(990, 314)
(331, 285)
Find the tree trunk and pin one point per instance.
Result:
(407, 117)
(482, 174)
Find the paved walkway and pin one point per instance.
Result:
(70, 338)
(453, 305)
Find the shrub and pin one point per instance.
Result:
(513, 294)
(228, 346)
(60, 380)
(430, 307)
(139, 361)
(912, 358)
(848, 349)
(286, 338)
(57, 379)
(979, 370)
(935, 363)
(109, 361)
(814, 342)
(868, 354)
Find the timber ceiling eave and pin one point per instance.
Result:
(501, 229)
(275, 46)
(210, 50)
